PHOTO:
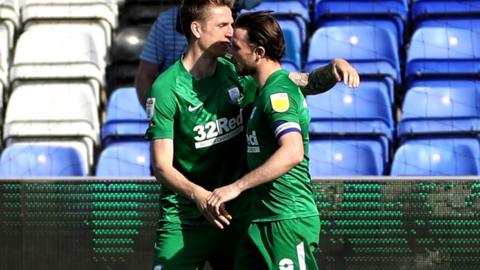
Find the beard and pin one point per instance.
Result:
(245, 70)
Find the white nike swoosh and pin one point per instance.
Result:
(191, 109)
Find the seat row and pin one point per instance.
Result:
(354, 123)
(434, 157)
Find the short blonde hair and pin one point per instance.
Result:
(194, 10)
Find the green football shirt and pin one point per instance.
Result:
(204, 118)
(279, 108)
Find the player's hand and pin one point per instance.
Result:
(343, 71)
(220, 196)
(200, 198)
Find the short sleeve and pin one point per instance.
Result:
(282, 110)
(161, 110)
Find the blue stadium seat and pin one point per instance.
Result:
(125, 159)
(305, 3)
(440, 110)
(441, 52)
(373, 7)
(391, 26)
(446, 82)
(345, 110)
(391, 15)
(433, 9)
(345, 157)
(288, 10)
(342, 111)
(372, 51)
(292, 60)
(463, 22)
(126, 118)
(42, 159)
(437, 157)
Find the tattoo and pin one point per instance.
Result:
(318, 81)
(300, 79)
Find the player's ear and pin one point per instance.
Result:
(260, 52)
(196, 29)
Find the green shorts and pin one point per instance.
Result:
(280, 245)
(182, 247)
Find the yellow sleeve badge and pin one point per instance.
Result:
(280, 102)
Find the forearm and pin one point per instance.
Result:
(316, 82)
(167, 174)
(146, 75)
(176, 182)
(283, 160)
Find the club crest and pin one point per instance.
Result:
(234, 95)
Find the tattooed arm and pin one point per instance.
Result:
(324, 78)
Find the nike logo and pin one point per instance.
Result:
(191, 109)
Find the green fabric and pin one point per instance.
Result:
(289, 196)
(187, 247)
(205, 121)
(285, 245)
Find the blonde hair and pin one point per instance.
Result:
(194, 10)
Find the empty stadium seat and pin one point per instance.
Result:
(9, 25)
(292, 60)
(372, 50)
(53, 110)
(455, 22)
(446, 82)
(68, 29)
(42, 159)
(440, 110)
(125, 159)
(291, 11)
(390, 15)
(58, 56)
(344, 112)
(126, 118)
(10, 19)
(437, 157)
(345, 157)
(127, 46)
(101, 12)
(441, 52)
(3, 83)
(305, 3)
(4, 48)
(142, 12)
(437, 9)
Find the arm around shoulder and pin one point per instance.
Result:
(324, 78)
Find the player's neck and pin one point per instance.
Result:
(199, 63)
(264, 70)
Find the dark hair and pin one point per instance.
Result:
(263, 30)
(193, 10)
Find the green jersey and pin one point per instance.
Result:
(204, 119)
(279, 108)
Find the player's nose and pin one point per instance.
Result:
(229, 32)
